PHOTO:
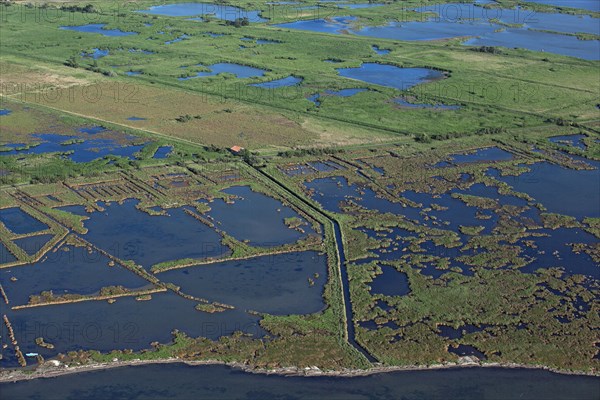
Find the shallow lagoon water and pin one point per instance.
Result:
(591, 5)
(98, 28)
(380, 51)
(219, 11)
(331, 25)
(131, 234)
(96, 53)
(5, 255)
(569, 140)
(457, 333)
(125, 324)
(469, 15)
(248, 216)
(32, 244)
(486, 154)
(316, 98)
(390, 75)
(240, 71)
(560, 190)
(19, 222)
(543, 42)
(88, 150)
(325, 166)
(465, 350)
(467, 20)
(330, 192)
(390, 283)
(275, 284)
(554, 251)
(310, 168)
(180, 381)
(74, 271)
(163, 152)
(457, 214)
(92, 130)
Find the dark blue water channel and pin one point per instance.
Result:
(180, 381)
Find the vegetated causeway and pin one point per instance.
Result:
(320, 199)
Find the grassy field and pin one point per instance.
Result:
(495, 91)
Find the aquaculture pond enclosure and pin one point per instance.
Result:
(278, 284)
(247, 215)
(150, 240)
(19, 222)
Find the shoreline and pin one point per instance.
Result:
(46, 371)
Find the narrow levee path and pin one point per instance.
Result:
(345, 283)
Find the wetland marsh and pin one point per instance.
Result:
(307, 188)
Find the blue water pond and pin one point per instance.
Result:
(390, 75)
(19, 222)
(283, 82)
(75, 148)
(219, 11)
(316, 98)
(95, 53)
(98, 28)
